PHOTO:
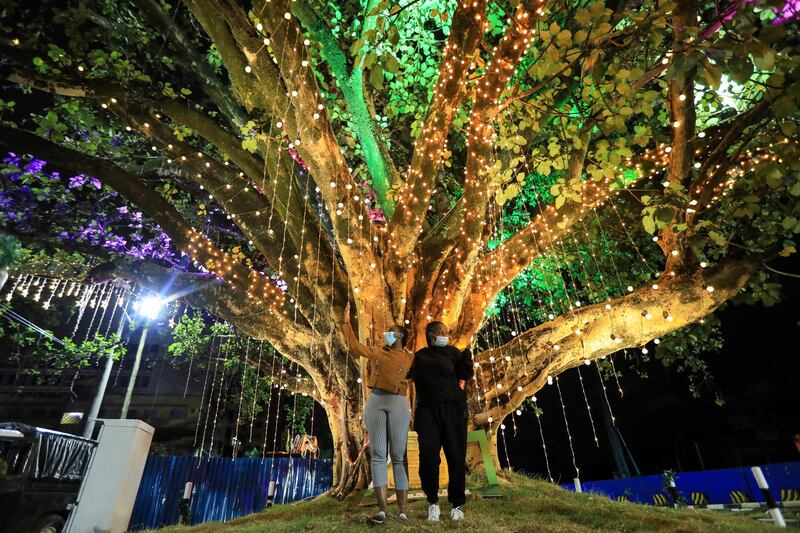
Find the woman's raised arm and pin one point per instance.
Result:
(353, 344)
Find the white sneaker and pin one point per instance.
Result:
(457, 513)
(433, 512)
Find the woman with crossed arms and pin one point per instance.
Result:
(440, 418)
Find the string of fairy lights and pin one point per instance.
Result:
(94, 300)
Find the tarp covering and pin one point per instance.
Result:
(716, 485)
(224, 488)
(53, 455)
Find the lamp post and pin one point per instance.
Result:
(101, 389)
(148, 308)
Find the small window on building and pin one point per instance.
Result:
(177, 413)
(71, 418)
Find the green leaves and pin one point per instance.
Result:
(391, 64)
(582, 17)
(740, 68)
(656, 217)
(765, 59)
(664, 214)
(712, 74)
(250, 144)
(10, 250)
(717, 238)
(376, 77)
(355, 48)
(648, 222)
(188, 337)
(792, 224)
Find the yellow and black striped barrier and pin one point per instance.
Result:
(660, 500)
(699, 499)
(790, 495)
(739, 497)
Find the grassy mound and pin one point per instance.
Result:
(528, 505)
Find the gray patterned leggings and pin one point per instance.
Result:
(387, 417)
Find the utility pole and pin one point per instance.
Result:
(101, 389)
(148, 308)
(135, 372)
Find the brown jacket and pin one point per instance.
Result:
(387, 367)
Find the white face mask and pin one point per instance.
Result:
(441, 340)
(390, 337)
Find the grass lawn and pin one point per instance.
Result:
(528, 505)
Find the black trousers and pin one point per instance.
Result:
(443, 426)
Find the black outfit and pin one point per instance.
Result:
(441, 418)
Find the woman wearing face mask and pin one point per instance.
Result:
(441, 417)
(387, 415)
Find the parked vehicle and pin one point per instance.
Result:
(40, 474)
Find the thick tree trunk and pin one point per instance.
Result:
(345, 418)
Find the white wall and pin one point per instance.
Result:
(108, 492)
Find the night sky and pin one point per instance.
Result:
(663, 425)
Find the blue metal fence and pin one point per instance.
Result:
(715, 484)
(224, 488)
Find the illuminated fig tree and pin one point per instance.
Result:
(618, 169)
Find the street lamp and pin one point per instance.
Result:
(148, 308)
(101, 389)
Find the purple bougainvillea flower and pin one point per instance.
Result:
(12, 159)
(115, 141)
(789, 11)
(116, 242)
(297, 159)
(376, 215)
(34, 166)
(77, 181)
(95, 183)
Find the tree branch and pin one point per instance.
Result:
(589, 333)
(151, 203)
(449, 93)
(297, 385)
(381, 168)
(497, 268)
(198, 66)
(302, 122)
(460, 264)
